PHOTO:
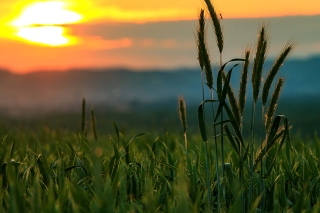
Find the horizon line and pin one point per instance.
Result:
(133, 69)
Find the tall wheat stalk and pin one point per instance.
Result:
(241, 104)
(83, 117)
(256, 82)
(94, 125)
(206, 70)
(219, 39)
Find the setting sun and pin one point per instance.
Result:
(41, 23)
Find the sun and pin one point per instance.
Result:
(43, 23)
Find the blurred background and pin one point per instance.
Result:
(130, 60)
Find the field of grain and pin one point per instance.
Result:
(236, 156)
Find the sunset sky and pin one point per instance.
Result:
(66, 34)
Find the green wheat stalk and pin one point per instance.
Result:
(83, 117)
(205, 65)
(93, 124)
(256, 82)
(219, 39)
(242, 102)
(266, 119)
(183, 119)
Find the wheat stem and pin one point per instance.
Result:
(83, 117)
(222, 145)
(93, 123)
(217, 159)
(250, 195)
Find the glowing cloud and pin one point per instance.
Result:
(39, 23)
(49, 35)
(46, 13)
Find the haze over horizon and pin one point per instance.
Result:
(43, 96)
(69, 34)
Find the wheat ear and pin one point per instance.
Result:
(274, 70)
(183, 118)
(183, 113)
(258, 62)
(203, 55)
(243, 82)
(273, 104)
(216, 24)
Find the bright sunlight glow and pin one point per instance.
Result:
(39, 23)
(50, 35)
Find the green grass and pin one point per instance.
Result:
(65, 172)
(223, 168)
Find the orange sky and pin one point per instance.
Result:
(142, 10)
(35, 38)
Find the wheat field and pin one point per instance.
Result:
(228, 165)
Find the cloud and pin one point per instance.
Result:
(148, 42)
(115, 13)
(144, 11)
(169, 43)
(98, 43)
(163, 43)
(177, 30)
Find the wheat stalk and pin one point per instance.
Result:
(234, 105)
(267, 145)
(183, 118)
(93, 123)
(83, 117)
(256, 81)
(205, 65)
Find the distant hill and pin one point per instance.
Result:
(123, 89)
